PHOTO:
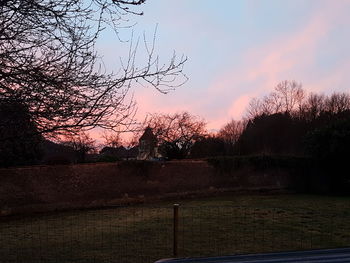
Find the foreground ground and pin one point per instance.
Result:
(211, 226)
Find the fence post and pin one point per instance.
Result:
(176, 230)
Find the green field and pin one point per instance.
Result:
(207, 227)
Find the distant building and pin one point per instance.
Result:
(148, 146)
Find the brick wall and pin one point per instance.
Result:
(46, 188)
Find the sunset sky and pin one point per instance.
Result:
(240, 49)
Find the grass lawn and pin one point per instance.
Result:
(207, 227)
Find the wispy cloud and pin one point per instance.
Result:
(288, 56)
(230, 62)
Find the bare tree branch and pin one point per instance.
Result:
(48, 61)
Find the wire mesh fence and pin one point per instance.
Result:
(145, 234)
(212, 231)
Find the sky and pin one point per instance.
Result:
(238, 50)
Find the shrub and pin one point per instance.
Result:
(257, 162)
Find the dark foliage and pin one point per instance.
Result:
(320, 129)
(230, 164)
(112, 154)
(330, 148)
(209, 146)
(19, 140)
(56, 153)
(279, 133)
(82, 144)
(282, 133)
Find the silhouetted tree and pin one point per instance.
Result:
(48, 60)
(112, 140)
(19, 141)
(281, 129)
(209, 146)
(82, 144)
(230, 134)
(288, 98)
(337, 102)
(291, 95)
(277, 133)
(176, 133)
(55, 153)
(330, 147)
(312, 107)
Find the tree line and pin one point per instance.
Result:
(287, 121)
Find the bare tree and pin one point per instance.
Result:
(272, 103)
(337, 102)
(313, 106)
(112, 139)
(176, 133)
(254, 108)
(267, 105)
(232, 131)
(288, 97)
(291, 95)
(48, 60)
(15, 123)
(81, 143)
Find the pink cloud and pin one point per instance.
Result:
(287, 57)
(338, 80)
(238, 107)
(226, 96)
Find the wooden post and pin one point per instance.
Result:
(176, 230)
